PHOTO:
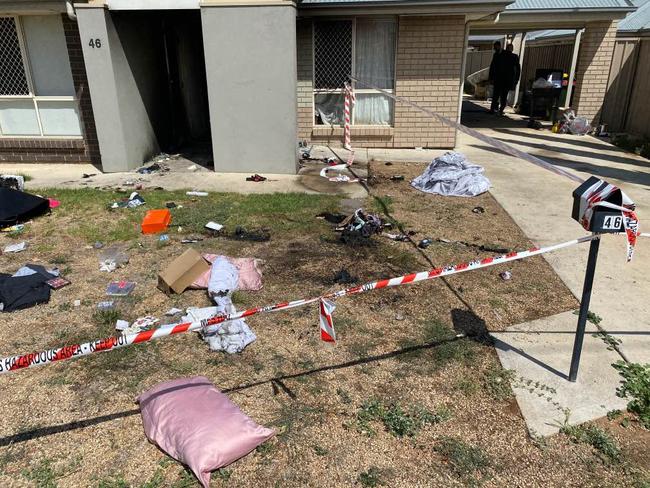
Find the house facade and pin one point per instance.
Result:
(45, 109)
(247, 79)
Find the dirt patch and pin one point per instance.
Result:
(75, 423)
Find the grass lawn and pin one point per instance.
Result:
(400, 400)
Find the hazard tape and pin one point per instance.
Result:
(348, 104)
(513, 151)
(15, 363)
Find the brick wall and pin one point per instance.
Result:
(428, 66)
(60, 150)
(592, 72)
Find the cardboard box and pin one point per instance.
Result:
(182, 272)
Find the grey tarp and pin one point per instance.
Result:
(452, 175)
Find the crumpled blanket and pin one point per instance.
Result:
(452, 175)
(231, 337)
(223, 278)
(250, 275)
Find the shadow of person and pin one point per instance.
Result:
(471, 325)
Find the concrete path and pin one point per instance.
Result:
(540, 203)
(180, 178)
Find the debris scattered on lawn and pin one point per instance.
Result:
(106, 305)
(76, 303)
(213, 226)
(98, 245)
(256, 235)
(145, 170)
(399, 316)
(120, 288)
(14, 182)
(191, 240)
(111, 258)
(505, 275)
(256, 178)
(18, 247)
(57, 283)
(182, 272)
(250, 274)
(170, 205)
(163, 240)
(197, 193)
(155, 221)
(397, 178)
(122, 325)
(173, 311)
(395, 237)
(452, 175)
(193, 167)
(333, 218)
(18, 206)
(134, 200)
(358, 226)
(14, 229)
(26, 288)
(140, 324)
(424, 243)
(343, 277)
(477, 210)
(88, 175)
(53, 203)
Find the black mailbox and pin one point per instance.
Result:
(591, 206)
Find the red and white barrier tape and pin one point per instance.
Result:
(348, 104)
(14, 363)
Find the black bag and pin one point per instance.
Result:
(21, 292)
(18, 206)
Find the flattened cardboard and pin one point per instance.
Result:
(182, 272)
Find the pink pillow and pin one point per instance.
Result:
(198, 425)
(250, 276)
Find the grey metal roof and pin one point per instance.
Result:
(549, 34)
(637, 21)
(568, 4)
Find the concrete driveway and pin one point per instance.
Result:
(540, 203)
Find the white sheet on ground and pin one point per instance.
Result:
(452, 175)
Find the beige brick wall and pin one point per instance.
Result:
(305, 79)
(429, 59)
(428, 66)
(592, 73)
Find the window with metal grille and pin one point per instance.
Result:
(13, 80)
(365, 48)
(37, 97)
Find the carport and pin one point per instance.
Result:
(593, 26)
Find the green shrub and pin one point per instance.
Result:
(635, 385)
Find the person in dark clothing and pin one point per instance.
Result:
(504, 75)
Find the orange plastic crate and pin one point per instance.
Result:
(155, 221)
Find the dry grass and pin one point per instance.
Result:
(75, 424)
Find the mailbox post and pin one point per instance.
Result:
(598, 219)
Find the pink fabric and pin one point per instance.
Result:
(250, 276)
(198, 425)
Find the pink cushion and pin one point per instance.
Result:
(198, 425)
(250, 276)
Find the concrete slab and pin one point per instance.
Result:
(540, 351)
(180, 178)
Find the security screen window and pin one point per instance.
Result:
(37, 97)
(365, 48)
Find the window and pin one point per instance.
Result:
(365, 48)
(37, 97)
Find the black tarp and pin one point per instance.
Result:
(18, 206)
(19, 292)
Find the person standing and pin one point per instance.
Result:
(504, 75)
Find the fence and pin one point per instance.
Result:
(626, 103)
(477, 60)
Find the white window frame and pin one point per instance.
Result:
(320, 91)
(35, 98)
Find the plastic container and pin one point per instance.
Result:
(156, 221)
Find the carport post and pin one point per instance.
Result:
(574, 63)
(584, 309)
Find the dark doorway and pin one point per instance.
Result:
(164, 49)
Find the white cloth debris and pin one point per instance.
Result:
(223, 278)
(231, 337)
(452, 175)
(173, 311)
(121, 325)
(140, 324)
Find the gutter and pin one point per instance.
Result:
(416, 3)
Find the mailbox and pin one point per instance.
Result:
(598, 206)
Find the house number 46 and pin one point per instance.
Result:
(95, 43)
